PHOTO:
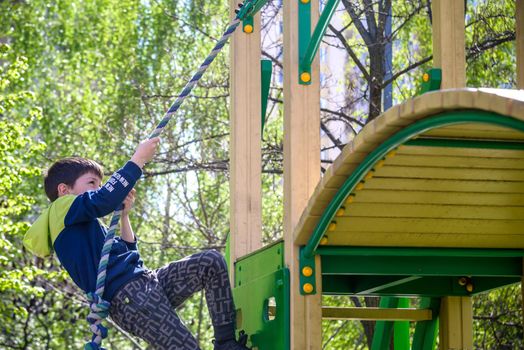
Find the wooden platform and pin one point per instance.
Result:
(458, 185)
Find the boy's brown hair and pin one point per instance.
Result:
(67, 171)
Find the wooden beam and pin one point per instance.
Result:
(301, 174)
(245, 144)
(456, 324)
(519, 40)
(449, 53)
(375, 313)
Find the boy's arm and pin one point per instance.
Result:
(95, 204)
(126, 230)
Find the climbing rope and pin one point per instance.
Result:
(99, 307)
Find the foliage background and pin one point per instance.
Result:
(90, 78)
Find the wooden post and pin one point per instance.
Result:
(519, 40)
(301, 173)
(245, 145)
(449, 54)
(455, 324)
(519, 19)
(449, 42)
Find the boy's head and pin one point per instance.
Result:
(74, 175)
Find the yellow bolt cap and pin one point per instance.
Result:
(324, 240)
(391, 154)
(304, 1)
(305, 77)
(360, 186)
(307, 271)
(425, 77)
(248, 28)
(307, 288)
(350, 199)
(469, 287)
(341, 211)
(369, 175)
(379, 164)
(332, 226)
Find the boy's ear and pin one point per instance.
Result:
(63, 189)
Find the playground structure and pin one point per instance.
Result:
(426, 201)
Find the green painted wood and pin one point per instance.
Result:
(427, 286)
(266, 70)
(422, 266)
(261, 293)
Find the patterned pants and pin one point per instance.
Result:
(145, 307)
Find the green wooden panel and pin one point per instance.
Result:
(428, 286)
(267, 325)
(260, 280)
(422, 266)
(259, 263)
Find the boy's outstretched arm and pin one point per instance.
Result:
(95, 204)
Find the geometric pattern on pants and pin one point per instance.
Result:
(145, 306)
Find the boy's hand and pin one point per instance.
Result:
(128, 202)
(145, 151)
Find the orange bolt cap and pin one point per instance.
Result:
(307, 271)
(307, 288)
(305, 77)
(248, 28)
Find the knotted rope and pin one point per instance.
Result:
(99, 307)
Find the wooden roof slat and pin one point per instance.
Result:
(444, 185)
(373, 210)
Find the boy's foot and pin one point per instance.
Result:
(233, 344)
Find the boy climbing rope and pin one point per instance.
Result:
(142, 301)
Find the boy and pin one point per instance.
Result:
(143, 301)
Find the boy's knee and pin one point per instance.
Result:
(215, 258)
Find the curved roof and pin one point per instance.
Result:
(445, 169)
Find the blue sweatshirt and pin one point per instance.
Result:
(71, 227)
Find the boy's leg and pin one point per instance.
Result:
(142, 308)
(206, 270)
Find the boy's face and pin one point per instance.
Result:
(86, 182)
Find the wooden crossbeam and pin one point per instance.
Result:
(375, 313)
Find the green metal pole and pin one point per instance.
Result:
(318, 34)
(401, 328)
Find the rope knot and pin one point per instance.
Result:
(99, 311)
